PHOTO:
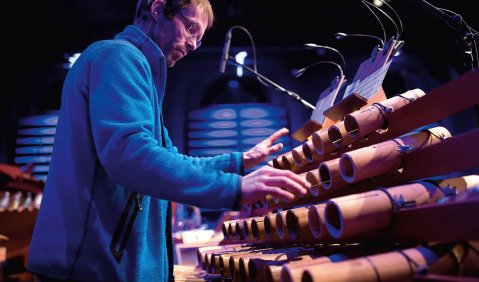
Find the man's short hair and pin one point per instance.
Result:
(172, 6)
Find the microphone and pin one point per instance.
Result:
(299, 72)
(261, 78)
(341, 35)
(315, 46)
(226, 50)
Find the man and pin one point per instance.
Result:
(105, 213)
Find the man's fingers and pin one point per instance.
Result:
(279, 193)
(275, 136)
(289, 174)
(287, 183)
(268, 151)
(275, 148)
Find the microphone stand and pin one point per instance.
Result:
(468, 36)
(293, 95)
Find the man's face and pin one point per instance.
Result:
(180, 34)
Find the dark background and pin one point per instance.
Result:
(39, 35)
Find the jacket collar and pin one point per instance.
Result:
(150, 49)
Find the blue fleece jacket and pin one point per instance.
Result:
(108, 143)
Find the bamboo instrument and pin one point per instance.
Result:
(297, 225)
(229, 229)
(452, 155)
(317, 223)
(288, 162)
(357, 214)
(234, 263)
(460, 184)
(232, 230)
(298, 156)
(330, 175)
(386, 156)
(269, 201)
(470, 259)
(257, 266)
(239, 227)
(224, 259)
(269, 222)
(248, 234)
(280, 223)
(200, 254)
(321, 142)
(362, 122)
(204, 253)
(338, 135)
(277, 162)
(244, 269)
(401, 265)
(313, 178)
(257, 229)
(309, 152)
(293, 271)
(448, 221)
(270, 270)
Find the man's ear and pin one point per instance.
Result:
(157, 8)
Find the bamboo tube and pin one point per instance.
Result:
(317, 223)
(239, 227)
(338, 135)
(470, 262)
(247, 229)
(224, 259)
(451, 155)
(292, 272)
(277, 162)
(309, 152)
(244, 263)
(200, 254)
(362, 122)
(257, 266)
(229, 229)
(313, 178)
(257, 229)
(224, 229)
(234, 263)
(386, 156)
(321, 142)
(272, 271)
(214, 265)
(268, 201)
(363, 213)
(269, 271)
(298, 156)
(232, 230)
(330, 175)
(445, 222)
(280, 223)
(254, 207)
(387, 267)
(297, 225)
(205, 253)
(460, 184)
(288, 162)
(269, 222)
(224, 267)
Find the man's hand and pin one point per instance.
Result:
(258, 153)
(278, 183)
